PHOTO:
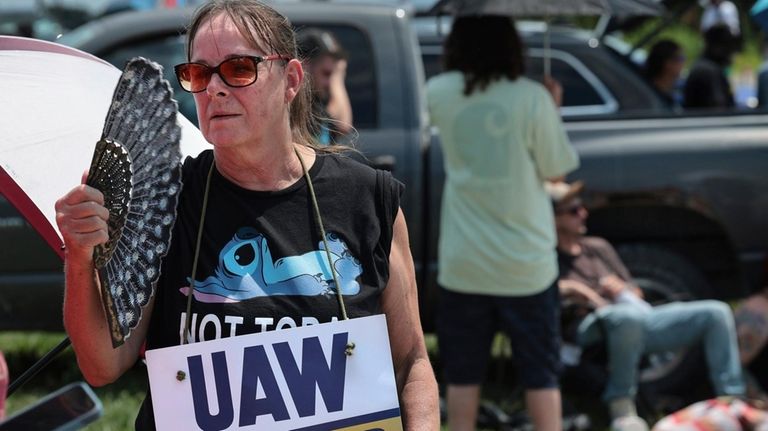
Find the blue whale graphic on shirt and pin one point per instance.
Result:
(246, 270)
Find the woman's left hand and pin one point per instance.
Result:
(555, 89)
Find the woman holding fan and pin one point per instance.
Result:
(253, 215)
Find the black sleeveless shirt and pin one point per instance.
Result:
(263, 263)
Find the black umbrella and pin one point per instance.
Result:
(546, 9)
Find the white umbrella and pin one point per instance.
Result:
(53, 103)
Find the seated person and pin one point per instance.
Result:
(326, 65)
(662, 70)
(591, 271)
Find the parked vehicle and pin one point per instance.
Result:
(678, 193)
(600, 76)
(389, 112)
(682, 196)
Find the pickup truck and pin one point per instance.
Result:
(385, 79)
(683, 197)
(678, 193)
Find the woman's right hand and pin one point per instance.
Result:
(82, 220)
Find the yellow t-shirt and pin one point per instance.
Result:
(497, 234)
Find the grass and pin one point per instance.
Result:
(121, 400)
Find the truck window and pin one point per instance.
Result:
(361, 77)
(166, 50)
(583, 93)
(579, 91)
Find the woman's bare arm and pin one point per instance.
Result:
(415, 378)
(82, 220)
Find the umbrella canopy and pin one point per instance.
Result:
(547, 7)
(759, 13)
(53, 103)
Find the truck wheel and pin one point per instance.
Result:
(665, 276)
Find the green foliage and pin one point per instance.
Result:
(686, 33)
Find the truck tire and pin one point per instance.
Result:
(665, 276)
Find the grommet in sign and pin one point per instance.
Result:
(349, 349)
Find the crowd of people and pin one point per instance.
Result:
(506, 263)
(513, 246)
(707, 84)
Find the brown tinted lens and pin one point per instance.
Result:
(182, 74)
(199, 76)
(239, 71)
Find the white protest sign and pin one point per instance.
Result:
(291, 379)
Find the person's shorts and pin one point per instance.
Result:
(467, 323)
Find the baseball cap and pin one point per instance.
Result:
(562, 191)
(314, 42)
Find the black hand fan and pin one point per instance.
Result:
(136, 165)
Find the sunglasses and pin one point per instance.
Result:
(572, 210)
(239, 71)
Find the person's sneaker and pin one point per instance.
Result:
(629, 423)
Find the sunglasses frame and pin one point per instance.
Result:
(571, 210)
(217, 69)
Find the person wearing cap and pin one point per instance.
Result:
(592, 272)
(326, 64)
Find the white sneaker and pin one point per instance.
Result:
(629, 423)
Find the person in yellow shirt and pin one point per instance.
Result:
(501, 137)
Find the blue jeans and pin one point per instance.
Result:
(629, 331)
